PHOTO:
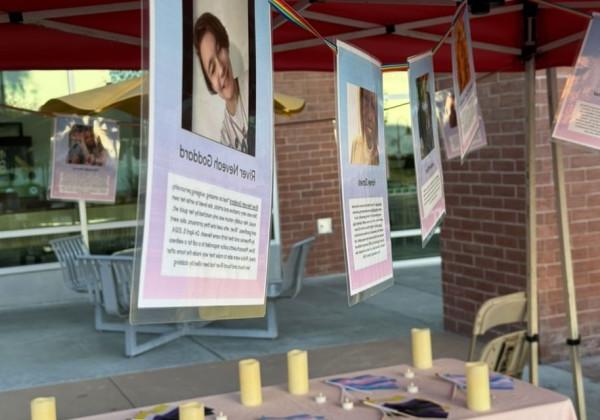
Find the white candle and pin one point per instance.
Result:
(250, 387)
(421, 348)
(297, 372)
(43, 408)
(478, 386)
(191, 411)
(412, 388)
(321, 398)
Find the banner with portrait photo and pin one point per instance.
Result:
(470, 123)
(578, 120)
(428, 161)
(85, 159)
(448, 125)
(363, 173)
(447, 122)
(210, 155)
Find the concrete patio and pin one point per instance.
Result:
(57, 351)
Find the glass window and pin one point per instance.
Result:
(25, 154)
(404, 208)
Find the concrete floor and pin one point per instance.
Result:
(58, 351)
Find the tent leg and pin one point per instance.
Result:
(532, 281)
(565, 246)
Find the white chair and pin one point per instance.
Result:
(507, 353)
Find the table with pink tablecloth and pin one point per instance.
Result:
(524, 402)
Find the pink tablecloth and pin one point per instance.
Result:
(525, 402)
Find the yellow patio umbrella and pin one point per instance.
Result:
(125, 96)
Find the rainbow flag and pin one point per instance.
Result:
(293, 16)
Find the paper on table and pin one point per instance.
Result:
(364, 383)
(411, 407)
(497, 380)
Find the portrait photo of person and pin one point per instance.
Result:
(449, 115)
(363, 134)
(463, 69)
(218, 72)
(424, 115)
(85, 147)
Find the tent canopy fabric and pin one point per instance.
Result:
(88, 34)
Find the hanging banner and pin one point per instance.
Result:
(428, 161)
(85, 159)
(579, 117)
(470, 123)
(448, 125)
(363, 172)
(447, 122)
(210, 154)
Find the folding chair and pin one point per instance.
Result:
(507, 353)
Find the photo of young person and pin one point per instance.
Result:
(218, 79)
(424, 115)
(462, 55)
(449, 116)
(85, 148)
(362, 130)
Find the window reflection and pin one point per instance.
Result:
(25, 156)
(402, 195)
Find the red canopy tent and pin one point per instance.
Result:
(86, 34)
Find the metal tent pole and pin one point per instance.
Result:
(565, 246)
(532, 282)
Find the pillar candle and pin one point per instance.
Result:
(250, 388)
(297, 372)
(421, 348)
(191, 411)
(478, 386)
(43, 408)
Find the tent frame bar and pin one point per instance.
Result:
(561, 42)
(33, 17)
(564, 8)
(368, 29)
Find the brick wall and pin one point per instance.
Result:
(483, 235)
(308, 169)
(483, 239)
(582, 176)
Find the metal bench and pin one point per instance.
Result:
(67, 250)
(283, 283)
(112, 291)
